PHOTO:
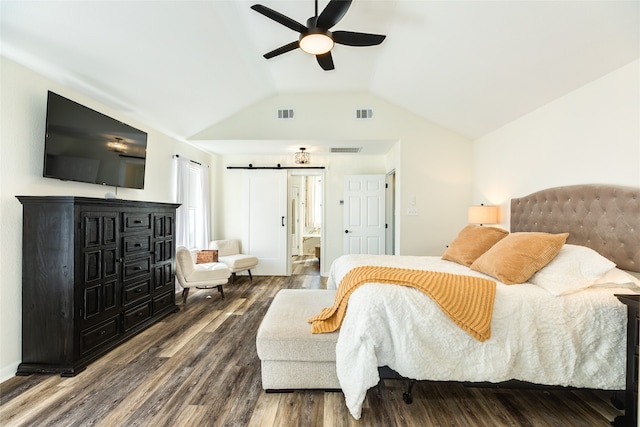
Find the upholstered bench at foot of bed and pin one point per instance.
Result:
(291, 356)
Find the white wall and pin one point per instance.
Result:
(591, 135)
(23, 98)
(432, 164)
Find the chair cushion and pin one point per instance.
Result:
(239, 262)
(209, 271)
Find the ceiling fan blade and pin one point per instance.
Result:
(282, 49)
(350, 38)
(333, 13)
(279, 18)
(326, 61)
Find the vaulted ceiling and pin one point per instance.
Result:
(183, 66)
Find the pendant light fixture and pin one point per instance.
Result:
(302, 157)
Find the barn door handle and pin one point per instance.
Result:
(283, 221)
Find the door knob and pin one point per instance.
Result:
(346, 231)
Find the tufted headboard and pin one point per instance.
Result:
(605, 218)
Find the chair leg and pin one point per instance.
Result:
(250, 278)
(185, 294)
(221, 291)
(233, 277)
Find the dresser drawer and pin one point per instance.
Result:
(134, 245)
(136, 291)
(135, 268)
(96, 336)
(137, 315)
(163, 301)
(136, 221)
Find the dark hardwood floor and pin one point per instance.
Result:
(199, 368)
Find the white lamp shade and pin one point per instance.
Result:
(483, 214)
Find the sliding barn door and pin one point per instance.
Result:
(364, 219)
(266, 220)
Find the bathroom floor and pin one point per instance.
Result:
(306, 264)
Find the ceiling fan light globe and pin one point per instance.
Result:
(316, 44)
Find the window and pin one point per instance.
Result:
(192, 217)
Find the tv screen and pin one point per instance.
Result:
(84, 145)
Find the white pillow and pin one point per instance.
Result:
(618, 277)
(574, 268)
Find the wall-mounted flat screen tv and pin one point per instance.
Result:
(87, 146)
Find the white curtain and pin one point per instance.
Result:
(182, 196)
(193, 215)
(202, 226)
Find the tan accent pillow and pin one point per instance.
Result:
(206, 255)
(471, 242)
(518, 256)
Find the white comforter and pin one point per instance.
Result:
(574, 340)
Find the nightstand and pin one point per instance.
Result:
(630, 417)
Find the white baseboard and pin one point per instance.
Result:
(8, 371)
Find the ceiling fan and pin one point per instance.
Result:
(315, 38)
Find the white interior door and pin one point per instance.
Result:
(364, 220)
(267, 228)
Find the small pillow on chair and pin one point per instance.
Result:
(473, 241)
(206, 256)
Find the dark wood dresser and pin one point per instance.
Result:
(630, 417)
(95, 272)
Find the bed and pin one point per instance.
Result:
(563, 326)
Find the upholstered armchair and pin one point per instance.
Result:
(202, 276)
(229, 253)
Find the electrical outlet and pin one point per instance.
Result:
(412, 211)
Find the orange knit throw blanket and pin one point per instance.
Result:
(467, 300)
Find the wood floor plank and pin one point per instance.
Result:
(18, 411)
(17, 391)
(335, 411)
(200, 367)
(190, 333)
(191, 415)
(265, 410)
